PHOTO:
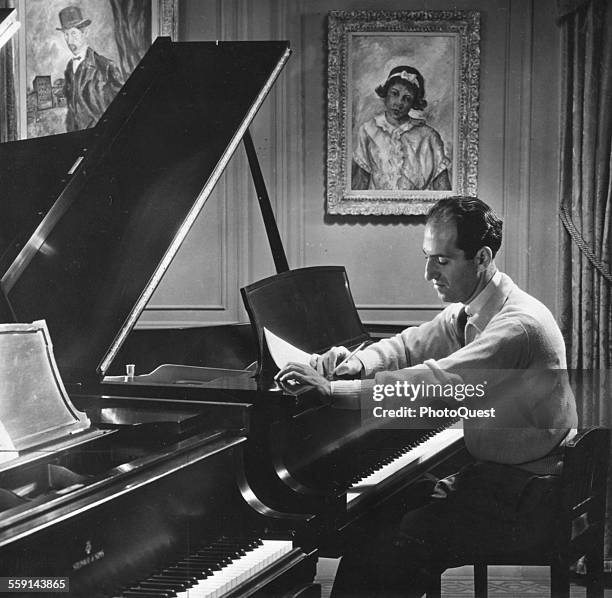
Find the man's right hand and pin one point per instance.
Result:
(327, 363)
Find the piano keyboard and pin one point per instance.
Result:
(215, 571)
(411, 458)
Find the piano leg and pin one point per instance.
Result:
(374, 565)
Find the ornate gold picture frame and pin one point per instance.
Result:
(381, 165)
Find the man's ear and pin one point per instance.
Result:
(483, 258)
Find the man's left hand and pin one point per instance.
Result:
(302, 374)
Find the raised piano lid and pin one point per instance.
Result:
(34, 406)
(27, 198)
(94, 261)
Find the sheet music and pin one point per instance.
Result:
(283, 352)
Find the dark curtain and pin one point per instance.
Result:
(8, 108)
(132, 31)
(586, 208)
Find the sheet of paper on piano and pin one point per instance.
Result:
(7, 448)
(283, 352)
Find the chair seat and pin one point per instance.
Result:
(580, 529)
(523, 558)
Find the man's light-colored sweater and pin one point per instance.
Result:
(511, 339)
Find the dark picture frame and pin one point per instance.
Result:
(364, 47)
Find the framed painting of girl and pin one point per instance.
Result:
(402, 110)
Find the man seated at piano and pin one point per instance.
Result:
(504, 499)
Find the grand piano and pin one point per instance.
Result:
(199, 453)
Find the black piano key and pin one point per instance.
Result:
(228, 553)
(187, 571)
(222, 555)
(237, 543)
(254, 543)
(217, 550)
(200, 558)
(373, 461)
(143, 593)
(171, 577)
(176, 575)
(135, 593)
(232, 547)
(220, 559)
(169, 584)
(176, 568)
(173, 574)
(205, 565)
(212, 563)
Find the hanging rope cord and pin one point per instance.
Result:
(578, 239)
(568, 8)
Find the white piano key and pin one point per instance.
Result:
(415, 456)
(239, 570)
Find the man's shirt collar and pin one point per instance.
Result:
(488, 302)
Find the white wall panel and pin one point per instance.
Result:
(518, 170)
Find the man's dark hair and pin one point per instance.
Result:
(477, 224)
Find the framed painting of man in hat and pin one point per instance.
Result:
(402, 110)
(75, 55)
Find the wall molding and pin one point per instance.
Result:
(290, 129)
(518, 114)
(180, 324)
(185, 307)
(363, 307)
(399, 306)
(294, 120)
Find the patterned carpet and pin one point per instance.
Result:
(511, 582)
(504, 582)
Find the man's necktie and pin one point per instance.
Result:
(461, 323)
